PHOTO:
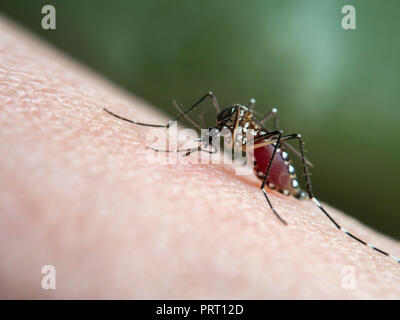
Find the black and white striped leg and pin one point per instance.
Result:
(270, 138)
(315, 200)
(266, 176)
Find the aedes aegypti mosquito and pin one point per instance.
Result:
(272, 164)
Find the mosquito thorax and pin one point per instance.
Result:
(236, 120)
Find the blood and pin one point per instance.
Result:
(278, 174)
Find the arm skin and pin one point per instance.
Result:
(77, 192)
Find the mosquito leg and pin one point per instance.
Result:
(273, 113)
(267, 138)
(252, 103)
(270, 138)
(182, 114)
(135, 122)
(172, 151)
(297, 153)
(207, 95)
(266, 177)
(313, 198)
(214, 102)
(200, 149)
(274, 138)
(185, 115)
(188, 151)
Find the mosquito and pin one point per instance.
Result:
(272, 164)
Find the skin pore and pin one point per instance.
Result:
(77, 192)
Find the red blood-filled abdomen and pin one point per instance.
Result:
(279, 174)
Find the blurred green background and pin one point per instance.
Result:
(339, 88)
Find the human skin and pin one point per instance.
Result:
(77, 192)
